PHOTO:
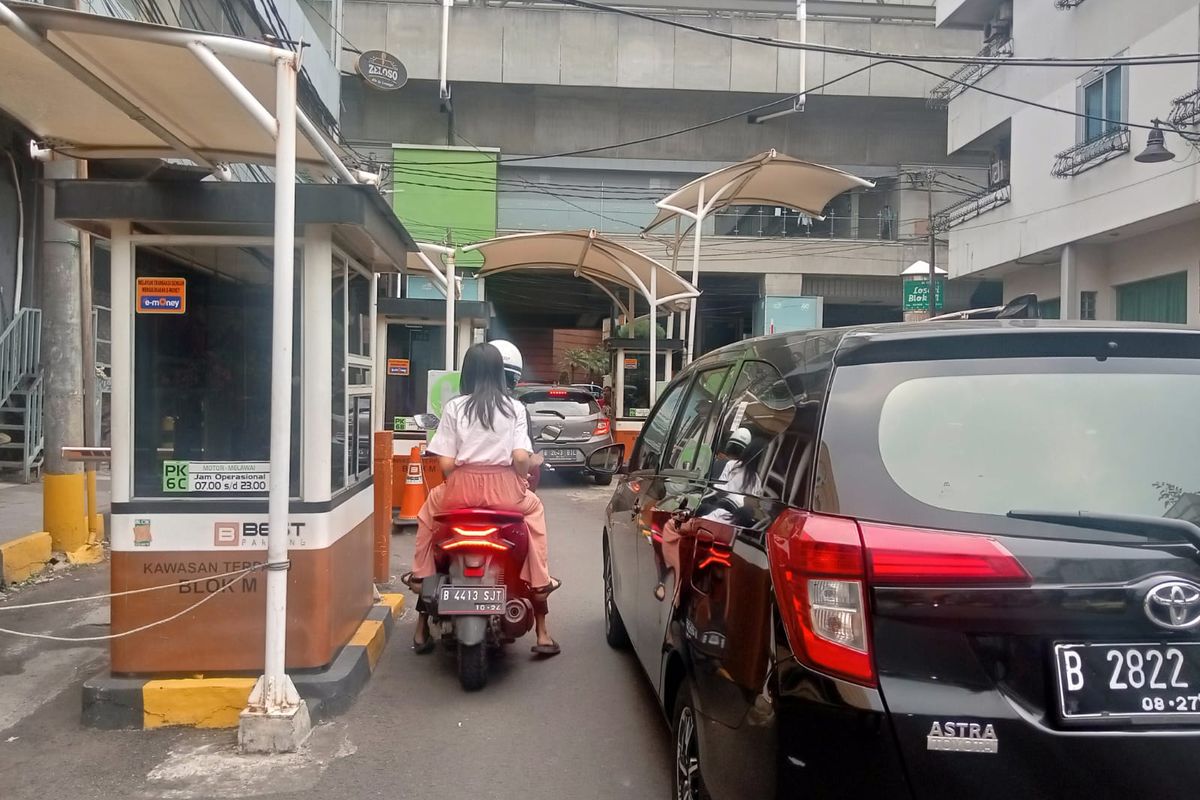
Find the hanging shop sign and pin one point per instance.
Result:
(161, 295)
(382, 70)
(215, 476)
(397, 367)
(916, 295)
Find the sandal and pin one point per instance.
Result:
(543, 592)
(546, 650)
(423, 648)
(413, 584)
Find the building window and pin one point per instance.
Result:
(1104, 104)
(1087, 305)
(1050, 309)
(350, 458)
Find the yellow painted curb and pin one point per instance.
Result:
(25, 557)
(371, 635)
(195, 702)
(394, 602)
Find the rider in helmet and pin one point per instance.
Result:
(483, 447)
(514, 365)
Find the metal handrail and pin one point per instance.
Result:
(20, 351)
(967, 75)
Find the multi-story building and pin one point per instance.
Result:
(1071, 212)
(542, 92)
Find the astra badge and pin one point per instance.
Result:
(963, 737)
(1174, 605)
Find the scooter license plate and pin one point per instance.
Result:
(471, 600)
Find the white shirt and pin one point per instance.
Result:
(466, 441)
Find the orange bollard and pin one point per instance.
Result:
(383, 506)
(413, 496)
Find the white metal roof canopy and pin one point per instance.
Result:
(98, 87)
(598, 260)
(768, 179)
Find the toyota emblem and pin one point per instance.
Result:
(1174, 605)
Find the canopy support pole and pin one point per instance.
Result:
(653, 336)
(276, 718)
(451, 320)
(699, 220)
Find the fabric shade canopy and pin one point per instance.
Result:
(97, 87)
(768, 179)
(589, 256)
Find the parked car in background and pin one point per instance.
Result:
(567, 426)
(954, 559)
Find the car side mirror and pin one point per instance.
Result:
(607, 460)
(550, 433)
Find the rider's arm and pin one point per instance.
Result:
(522, 446)
(447, 464)
(445, 442)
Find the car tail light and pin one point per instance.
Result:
(819, 572)
(913, 556)
(557, 393)
(823, 566)
(602, 428)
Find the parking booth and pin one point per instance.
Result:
(630, 370)
(191, 277)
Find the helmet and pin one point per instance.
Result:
(738, 441)
(514, 365)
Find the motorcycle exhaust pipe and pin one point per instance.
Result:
(518, 617)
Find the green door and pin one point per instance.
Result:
(1156, 300)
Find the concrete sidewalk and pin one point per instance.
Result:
(21, 506)
(25, 547)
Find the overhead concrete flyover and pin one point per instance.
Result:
(557, 45)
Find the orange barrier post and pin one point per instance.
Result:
(383, 506)
(413, 496)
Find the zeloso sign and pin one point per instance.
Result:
(382, 70)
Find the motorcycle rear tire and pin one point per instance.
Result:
(472, 666)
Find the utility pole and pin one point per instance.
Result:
(930, 174)
(63, 488)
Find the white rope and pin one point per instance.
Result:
(131, 591)
(109, 637)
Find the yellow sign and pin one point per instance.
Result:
(397, 367)
(161, 295)
(631, 363)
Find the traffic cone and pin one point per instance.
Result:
(413, 496)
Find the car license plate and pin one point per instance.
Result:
(1113, 681)
(562, 455)
(471, 600)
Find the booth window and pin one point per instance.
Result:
(352, 385)
(202, 385)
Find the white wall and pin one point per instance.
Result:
(1047, 212)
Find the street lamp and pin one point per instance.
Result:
(1156, 150)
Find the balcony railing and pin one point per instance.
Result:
(1185, 110)
(1067, 4)
(793, 225)
(972, 207)
(968, 74)
(1092, 153)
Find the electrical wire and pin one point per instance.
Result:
(112, 636)
(144, 590)
(1043, 61)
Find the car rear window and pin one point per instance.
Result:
(930, 443)
(567, 404)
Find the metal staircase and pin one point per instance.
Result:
(21, 394)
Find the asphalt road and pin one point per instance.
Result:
(582, 725)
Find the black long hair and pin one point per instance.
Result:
(483, 383)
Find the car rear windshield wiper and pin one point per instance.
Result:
(1151, 527)
(558, 414)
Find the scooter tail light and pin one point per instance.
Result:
(474, 544)
(464, 530)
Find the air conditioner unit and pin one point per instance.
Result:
(999, 173)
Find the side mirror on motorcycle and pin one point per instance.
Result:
(607, 460)
(550, 433)
(426, 422)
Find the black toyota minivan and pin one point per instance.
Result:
(940, 560)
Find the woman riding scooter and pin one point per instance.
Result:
(483, 447)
